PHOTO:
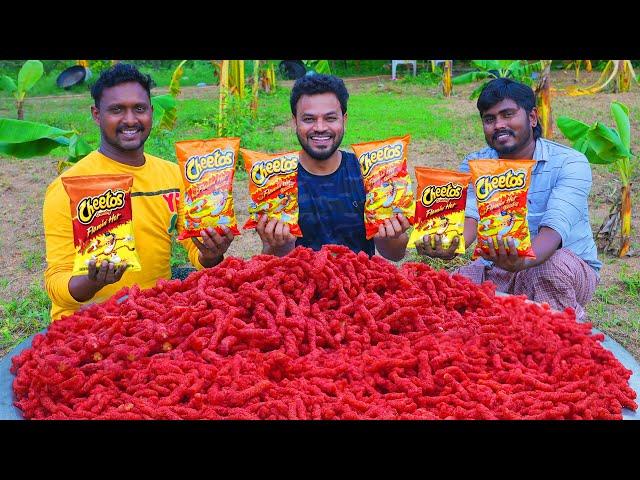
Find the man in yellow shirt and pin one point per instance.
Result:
(123, 112)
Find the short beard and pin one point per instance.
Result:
(324, 155)
(514, 148)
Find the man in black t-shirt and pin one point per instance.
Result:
(331, 192)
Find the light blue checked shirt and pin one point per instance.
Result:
(557, 197)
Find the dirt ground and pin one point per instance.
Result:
(23, 183)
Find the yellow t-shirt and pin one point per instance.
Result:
(157, 187)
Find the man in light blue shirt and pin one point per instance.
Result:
(565, 270)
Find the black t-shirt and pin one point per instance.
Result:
(332, 207)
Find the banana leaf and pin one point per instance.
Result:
(572, 129)
(28, 75)
(318, 66)
(620, 114)
(476, 93)
(606, 142)
(162, 104)
(174, 86)
(469, 77)
(7, 84)
(487, 64)
(78, 148)
(22, 139)
(583, 146)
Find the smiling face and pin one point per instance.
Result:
(124, 117)
(509, 130)
(319, 124)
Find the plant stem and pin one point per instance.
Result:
(625, 220)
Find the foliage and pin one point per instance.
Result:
(28, 76)
(616, 73)
(170, 114)
(518, 70)
(318, 66)
(605, 145)
(22, 317)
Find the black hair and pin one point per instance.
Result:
(501, 88)
(319, 83)
(117, 74)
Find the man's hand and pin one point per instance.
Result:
(84, 287)
(107, 274)
(393, 227)
(437, 251)
(505, 259)
(213, 246)
(275, 235)
(391, 239)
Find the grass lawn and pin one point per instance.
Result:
(443, 130)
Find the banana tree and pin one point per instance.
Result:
(318, 66)
(28, 76)
(446, 78)
(616, 73)
(170, 113)
(22, 139)
(604, 145)
(255, 88)
(231, 75)
(543, 99)
(487, 70)
(268, 76)
(576, 64)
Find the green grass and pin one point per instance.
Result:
(22, 317)
(4, 282)
(33, 260)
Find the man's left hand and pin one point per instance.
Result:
(213, 246)
(393, 227)
(505, 259)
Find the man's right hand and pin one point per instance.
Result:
(84, 287)
(437, 251)
(275, 236)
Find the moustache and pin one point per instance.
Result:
(508, 132)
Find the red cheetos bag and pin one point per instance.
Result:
(273, 185)
(207, 168)
(102, 221)
(442, 197)
(501, 188)
(386, 181)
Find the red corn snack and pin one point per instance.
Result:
(319, 335)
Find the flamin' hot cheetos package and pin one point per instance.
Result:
(442, 197)
(273, 185)
(207, 168)
(102, 220)
(386, 181)
(501, 188)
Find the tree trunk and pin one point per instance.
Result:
(224, 86)
(543, 101)
(625, 221)
(256, 87)
(446, 78)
